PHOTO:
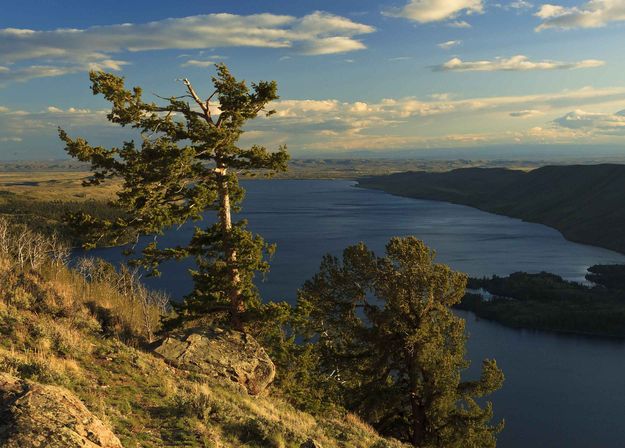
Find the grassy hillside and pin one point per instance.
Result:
(84, 329)
(584, 202)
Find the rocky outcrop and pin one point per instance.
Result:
(230, 354)
(37, 415)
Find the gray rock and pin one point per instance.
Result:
(230, 354)
(37, 415)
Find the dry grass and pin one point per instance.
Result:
(54, 186)
(59, 327)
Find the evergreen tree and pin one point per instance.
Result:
(384, 330)
(188, 162)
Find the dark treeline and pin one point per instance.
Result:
(584, 202)
(547, 302)
(48, 216)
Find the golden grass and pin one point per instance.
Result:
(53, 335)
(54, 186)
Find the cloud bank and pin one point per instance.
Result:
(73, 50)
(593, 122)
(515, 63)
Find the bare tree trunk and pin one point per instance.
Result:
(237, 307)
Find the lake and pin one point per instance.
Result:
(560, 391)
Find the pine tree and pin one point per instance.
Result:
(385, 331)
(188, 162)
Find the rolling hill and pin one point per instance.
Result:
(584, 202)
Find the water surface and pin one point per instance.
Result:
(560, 391)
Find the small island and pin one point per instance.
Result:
(545, 301)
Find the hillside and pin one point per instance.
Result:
(77, 368)
(584, 202)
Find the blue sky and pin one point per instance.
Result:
(391, 76)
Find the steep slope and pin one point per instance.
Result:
(62, 331)
(584, 202)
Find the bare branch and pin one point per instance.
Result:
(197, 99)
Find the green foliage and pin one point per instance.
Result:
(188, 162)
(48, 216)
(384, 332)
(611, 276)
(547, 302)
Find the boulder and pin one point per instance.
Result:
(230, 354)
(37, 415)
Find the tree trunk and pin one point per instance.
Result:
(237, 307)
(418, 419)
(418, 410)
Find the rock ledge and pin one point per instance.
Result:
(37, 415)
(215, 352)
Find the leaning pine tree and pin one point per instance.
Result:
(188, 162)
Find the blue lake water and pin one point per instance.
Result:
(560, 391)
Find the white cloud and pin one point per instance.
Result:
(515, 63)
(197, 63)
(592, 14)
(526, 113)
(72, 50)
(441, 119)
(449, 44)
(594, 122)
(71, 110)
(425, 11)
(11, 139)
(307, 119)
(459, 24)
(520, 4)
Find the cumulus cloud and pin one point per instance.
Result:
(592, 14)
(601, 123)
(73, 50)
(70, 110)
(459, 24)
(449, 44)
(515, 63)
(520, 4)
(426, 11)
(527, 113)
(434, 120)
(333, 117)
(197, 63)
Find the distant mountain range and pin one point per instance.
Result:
(584, 202)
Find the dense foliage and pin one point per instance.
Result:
(547, 302)
(383, 331)
(188, 162)
(49, 216)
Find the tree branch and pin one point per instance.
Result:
(197, 99)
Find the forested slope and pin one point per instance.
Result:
(584, 202)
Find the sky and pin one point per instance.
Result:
(354, 76)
